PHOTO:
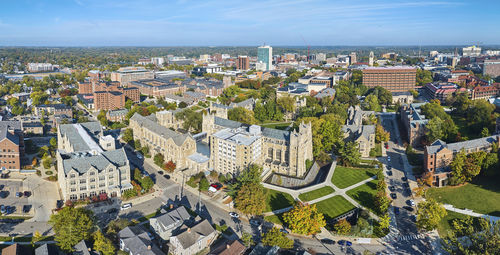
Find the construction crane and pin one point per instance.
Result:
(308, 47)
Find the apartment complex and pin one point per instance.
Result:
(471, 51)
(394, 79)
(234, 145)
(485, 92)
(439, 155)
(491, 67)
(126, 75)
(414, 122)
(157, 87)
(54, 109)
(442, 90)
(40, 67)
(11, 145)
(89, 164)
(243, 63)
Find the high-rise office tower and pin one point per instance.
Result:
(370, 60)
(265, 55)
(352, 58)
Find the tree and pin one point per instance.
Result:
(47, 162)
(429, 214)
(192, 120)
(53, 142)
(147, 183)
(381, 202)
(102, 244)
(71, 225)
(423, 77)
(128, 135)
(349, 154)
(490, 165)
(287, 103)
(169, 166)
(250, 197)
(384, 221)
(482, 237)
(371, 103)
(259, 112)
(381, 135)
(203, 185)
(342, 227)
(37, 236)
(159, 159)
(434, 129)
(102, 118)
(247, 239)
(275, 237)
(485, 132)
(241, 114)
(250, 175)
(304, 219)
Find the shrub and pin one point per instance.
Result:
(48, 172)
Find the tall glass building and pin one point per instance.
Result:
(265, 56)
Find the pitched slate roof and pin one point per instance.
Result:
(75, 139)
(137, 241)
(154, 127)
(190, 236)
(438, 145)
(16, 249)
(174, 217)
(47, 249)
(82, 162)
(82, 248)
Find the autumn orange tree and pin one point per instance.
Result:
(304, 219)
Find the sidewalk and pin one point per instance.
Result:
(471, 213)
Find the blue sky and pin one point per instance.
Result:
(250, 22)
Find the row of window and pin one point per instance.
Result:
(91, 174)
(83, 188)
(7, 156)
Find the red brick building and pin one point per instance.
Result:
(243, 63)
(109, 100)
(85, 88)
(485, 92)
(11, 145)
(394, 79)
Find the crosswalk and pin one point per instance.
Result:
(393, 237)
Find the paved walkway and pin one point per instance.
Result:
(470, 213)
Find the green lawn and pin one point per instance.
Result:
(313, 194)
(278, 200)
(276, 219)
(365, 194)
(344, 177)
(334, 206)
(482, 196)
(376, 151)
(281, 126)
(445, 224)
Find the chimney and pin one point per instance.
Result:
(171, 206)
(189, 230)
(89, 249)
(228, 246)
(149, 247)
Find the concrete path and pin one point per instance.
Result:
(470, 213)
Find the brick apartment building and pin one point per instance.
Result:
(485, 92)
(126, 75)
(442, 90)
(85, 87)
(11, 145)
(53, 109)
(243, 63)
(439, 155)
(491, 67)
(394, 79)
(109, 95)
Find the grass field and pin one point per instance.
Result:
(344, 177)
(334, 206)
(482, 196)
(445, 224)
(365, 194)
(281, 126)
(277, 200)
(313, 194)
(276, 219)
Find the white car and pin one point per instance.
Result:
(139, 156)
(412, 203)
(389, 158)
(234, 215)
(126, 206)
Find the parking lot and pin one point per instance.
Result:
(13, 199)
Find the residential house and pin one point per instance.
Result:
(83, 248)
(166, 223)
(234, 247)
(354, 130)
(16, 249)
(191, 240)
(48, 249)
(136, 241)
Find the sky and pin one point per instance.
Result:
(248, 22)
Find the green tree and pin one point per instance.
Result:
(192, 120)
(286, 103)
(304, 219)
(250, 197)
(204, 185)
(381, 135)
(384, 221)
(147, 183)
(434, 129)
(251, 175)
(275, 237)
(342, 227)
(371, 103)
(128, 135)
(159, 159)
(490, 164)
(103, 244)
(485, 132)
(458, 168)
(423, 77)
(483, 237)
(47, 162)
(259, 112)
(429, 214)
(241, 114)
(71, 225)
(53, 142)
(349, 154)
(247, 239)
(381, 202)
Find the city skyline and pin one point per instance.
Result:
(241, 23)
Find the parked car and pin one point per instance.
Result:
(392, 188)
(389, 158)
(166, 176)
(19, 194)
(396, 210)
(393, 195)
(1, 187)
(389, 167)
(4, 194)
(216, 186)
(389, 173)
(254, 222)
(411, 202)
(139, 156)
(160, 172)
(112, 210)
(386, 145)
(26, 208)
(408, 208)
(3, 209)
(234, 215)
(404, 179)
(327, 241)
(27, 193)
(344, 242)
(126, 206)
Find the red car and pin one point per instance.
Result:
(216, 186)
(386, 146)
